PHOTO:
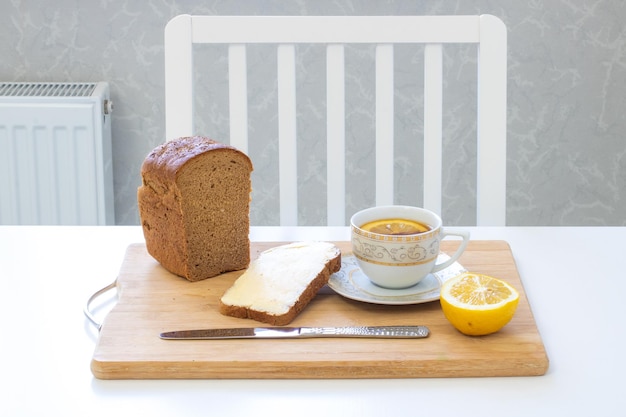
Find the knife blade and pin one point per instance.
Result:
(403, 332)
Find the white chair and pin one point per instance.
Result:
(488, 32)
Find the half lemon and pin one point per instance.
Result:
(477, 304)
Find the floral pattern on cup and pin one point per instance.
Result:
(414, 253)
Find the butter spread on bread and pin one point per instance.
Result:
(281, 282)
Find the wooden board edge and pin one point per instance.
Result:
(118, 370)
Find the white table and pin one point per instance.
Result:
(574, 279)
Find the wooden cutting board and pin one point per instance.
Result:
(151, 301)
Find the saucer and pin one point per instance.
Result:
(351, 282)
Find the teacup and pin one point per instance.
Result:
(397, 246)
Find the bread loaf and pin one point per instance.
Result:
(194, 205)
(281, 282)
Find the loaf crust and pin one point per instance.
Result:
(332, 265)
(194, 205)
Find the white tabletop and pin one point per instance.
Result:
(574, 279)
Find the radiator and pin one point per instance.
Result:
(55, 154)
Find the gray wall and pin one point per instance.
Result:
(567, 87)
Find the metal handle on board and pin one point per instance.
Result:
(87, 308)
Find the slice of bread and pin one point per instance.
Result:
(281, 282)
(194, 205)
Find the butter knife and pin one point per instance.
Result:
(403, 332)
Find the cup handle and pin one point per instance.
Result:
(453, 232)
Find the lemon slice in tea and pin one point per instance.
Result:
(395, 227)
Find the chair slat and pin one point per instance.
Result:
(336, 136)
(384, 124)
(335, 29)
(179, 78)
(287, 135)
(491, 154)
(238, 96)
(433, 104)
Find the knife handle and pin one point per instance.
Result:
(405, 332)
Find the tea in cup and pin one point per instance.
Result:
(397, 246)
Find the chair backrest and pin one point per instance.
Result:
(488, 32)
